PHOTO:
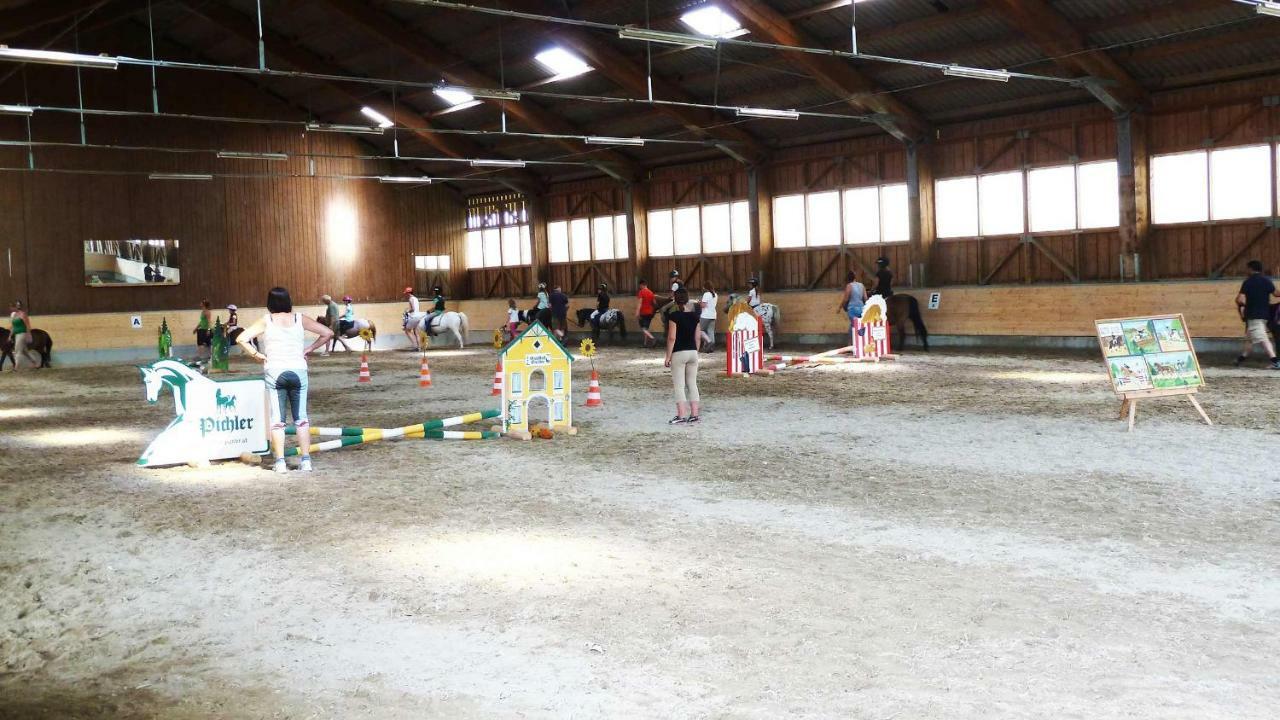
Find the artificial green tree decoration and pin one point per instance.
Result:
(166, 340)
(221, 354)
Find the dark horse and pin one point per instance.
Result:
(901, 309)
(610, 320)
(40, 342)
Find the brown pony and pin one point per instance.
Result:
(901, 309)
(40, 342)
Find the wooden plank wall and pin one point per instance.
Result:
(239, 236)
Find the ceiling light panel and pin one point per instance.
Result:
(562, 63)
(712, 22)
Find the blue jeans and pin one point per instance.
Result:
(855, 313)
(287, 389)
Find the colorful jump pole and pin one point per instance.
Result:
(786, 361)
(431, 430)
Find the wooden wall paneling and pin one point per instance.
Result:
(13, 236)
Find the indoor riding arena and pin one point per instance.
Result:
(709, 359)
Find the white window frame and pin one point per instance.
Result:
(431, 263)
(842, 219)
(620, 242)
(500, 222)
(700, 208)
(1210, 215)
(1078, 226)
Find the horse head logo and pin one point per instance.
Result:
(172, 373)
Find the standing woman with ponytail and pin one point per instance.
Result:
(683, 341)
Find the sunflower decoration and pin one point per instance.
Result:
(587, 348)
(499, 339)
(423, 340)
(366, 335)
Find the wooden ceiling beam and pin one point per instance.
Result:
(1067, 47)
(454, 146)
(456, 70)
(21, 20)
(837, 76)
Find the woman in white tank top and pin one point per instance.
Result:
(284, 357)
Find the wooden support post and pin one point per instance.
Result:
(760, 207)
(636, 206)
(920, 207)
(541, 269)
(1135, 215)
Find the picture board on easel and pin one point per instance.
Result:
(1149, 357)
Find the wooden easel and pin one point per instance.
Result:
(1129, 404)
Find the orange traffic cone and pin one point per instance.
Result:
(593, 391)
(497, 380)
(364, 370)
(424, 374)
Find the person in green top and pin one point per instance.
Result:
(204, 338)
(21, 327)
(437, 309)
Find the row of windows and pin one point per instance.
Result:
(858, 216)
(583, 239)
(499, 247)
(1053, 199)
(700, 229)
(1227, 184)
(430, 262)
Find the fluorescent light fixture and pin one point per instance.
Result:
(562, 62)
(1266, 7)
(404, 180)
(179, 176)
(356, 129)
(454, 96)
(236, 155)
(15, 110)
(382, 120)
(631, 141)
(666, 38)
(498, 163)
(713, 22)
(976, 73)
(53, 57)
(768, 113)
(485, 93)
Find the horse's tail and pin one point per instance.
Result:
(777, 317)
(622, 324)
(913, 311)
(466, 326)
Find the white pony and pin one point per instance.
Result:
(769, 314)
(448, 321)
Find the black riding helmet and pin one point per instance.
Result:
(675, 273)
(436, 290)
(883, 261)
(542, 286)
(604, 286)
(754, 281)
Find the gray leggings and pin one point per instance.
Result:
(684, 375)
(707, 326)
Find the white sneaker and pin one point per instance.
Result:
(281, 467)
(306, 465)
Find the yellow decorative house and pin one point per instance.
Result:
(536, 371)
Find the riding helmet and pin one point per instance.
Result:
(604, 286)
(882, 261)
(408, 291)
(232, 308)
(754, 281)
(436, 290)
(542, 286)
(346, 298)
(675, 273)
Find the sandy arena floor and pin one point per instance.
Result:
(952, 536)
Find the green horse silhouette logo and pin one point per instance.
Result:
(226, 403)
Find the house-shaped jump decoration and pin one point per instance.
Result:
(536, 370)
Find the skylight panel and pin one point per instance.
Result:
(713, 22)
(562, 62)
(454, 96)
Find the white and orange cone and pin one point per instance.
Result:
(424, 374)
(364, 370)
(593, 391)
(497, 380)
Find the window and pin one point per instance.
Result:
(700, 230)
(788, 221)
(1240, 182)
(1000, 204)
(1051, 198)
(1098, 194)
(497, 233)
(587, 239)
(1065, 198)
(857, 216)
(1179, 188)
(956, 201)
(1225, 184)
(430, 262)
(562, 62)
